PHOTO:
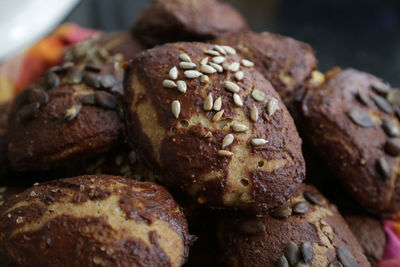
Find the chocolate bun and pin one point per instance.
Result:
(70, 114)
(91, 221)
(218, 131)
(181, 20)
(285, 62)
(305, 231)
(351, 123)
(4, 113)
(370, 235)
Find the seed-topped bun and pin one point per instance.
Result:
(91, 221)
(4, 113)
(69, 114)
(181, 20)
(305, 231)
(210, 124)
(285, 62)
(350, 121)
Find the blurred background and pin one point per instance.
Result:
(363, 34)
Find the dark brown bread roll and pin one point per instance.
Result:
(212, 126)
(370, 235)
(181, 20)
(305, 231)
(92, 221)
(4, 113)
(285, 62)
(351, 123)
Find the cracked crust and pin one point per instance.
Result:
(91, 221)
(352, 151)
(322, 226)
(185, 151)
(167, 21)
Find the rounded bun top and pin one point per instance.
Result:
(210, 124)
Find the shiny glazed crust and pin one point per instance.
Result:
(189, 152)
(92, 221)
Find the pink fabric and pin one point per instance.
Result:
(391, 257)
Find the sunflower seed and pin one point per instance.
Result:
(106, 100)
(176, 108)
(92, 68)
(173, 73)
(361, 118)
(28, 112)
(61, 68)
(218, 60)
(313, 197)
(107, 81)
(227, 141)
(220, 49)
(382, 104)
(92, 79)
(239, 75)
(282, 262)
(225, 66)
(229, 50)
(239, 128)
(380, 87)
(75, 77)
(247, 63)
(258, 142)
(306, 251)
(362, 97)
(254, 114)
(208, 134)
(169, 84)
(300, 207)
(185, 57)
(390, 128)
(224, 153)
(217, 116)
(182, 87)
(88, 99)
(72, 112)
(281, 212)
(212, 53)
(191, 74)
(217, 104)
(252, 227)
(237, 100)
(392, 146)
(208, 102)
(37, 95)
(383, 168)
(50, 81)
(394, 97)
(234, 67)
(232, 87)
(335, 263)
(272, 106)
(187, 65)
(204, 79)
(292, 253)
(346, 257)
(207, 69)
(204, 61)
(217, 67)
(258, 95)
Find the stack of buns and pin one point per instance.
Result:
(215, 115)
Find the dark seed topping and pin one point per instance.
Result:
(306, 251)
(383, 168)
(50, 81)
(72, 112)
(335, 264)
(346, 257)
(38, 95)
(282, 261)
(88, 99)
(27, 112)
(380, 88)
(313, 197)
(281, 212)
(360, 118)
(92, 68)
(252, 227)
(394, 97)
(106, 100)
(107, 81)
(292, 253)
(392, 146)
(75, 77)
(390, 128)
(382, 104)
(362, 97)
(92, 79)
(300, 207)
(62, 68)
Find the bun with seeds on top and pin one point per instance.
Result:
(92, 221)
(208, 123)
(165, 21)
(305, 231)
(351, 121)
